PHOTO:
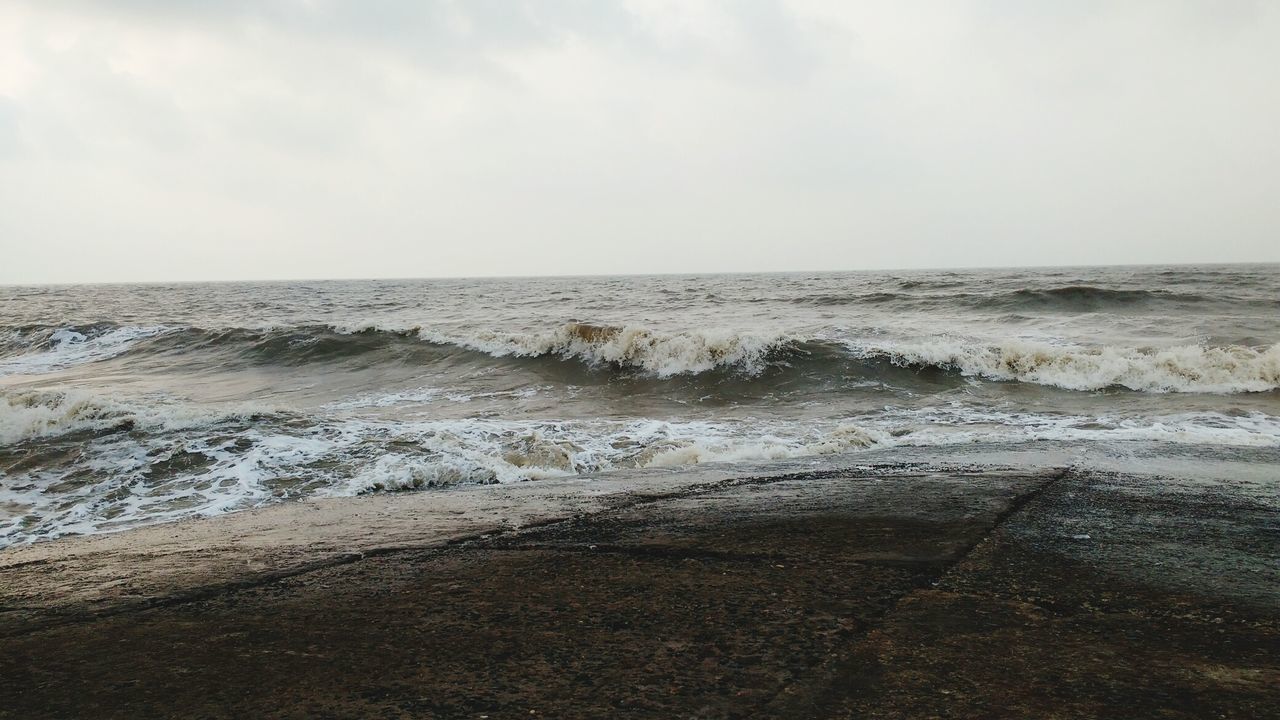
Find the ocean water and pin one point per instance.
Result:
(129, 404)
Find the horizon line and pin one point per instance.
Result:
(963, 268)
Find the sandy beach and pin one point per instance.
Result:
(894, 590)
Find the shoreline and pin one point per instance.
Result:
(1031, 589)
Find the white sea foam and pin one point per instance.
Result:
(1188, 368)
(794, 367)
(426, 396)
(957, 424)
(663, 354)
(164, 459)
(121, 480)
(1184, 368)
(482, 451)
(71, 347)
(415, 396)
(153, 462)
(26, 415)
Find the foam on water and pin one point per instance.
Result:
(129, 404)
(162, 461)
(1183, 368)
(69, 347)
(27, 415)
(662, 354)
(1187, 368)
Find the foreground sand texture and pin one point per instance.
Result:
(884, 592)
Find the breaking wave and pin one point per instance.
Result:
(632, 348)
(208, 398)
(43, 414)
(79, 464)
(39, 349)
(644, 352)
(1189, 368)
(615, 347)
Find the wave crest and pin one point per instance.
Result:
(639, 351)
(1189, 368)
(39, 349)
(633, 348)
(43, 414)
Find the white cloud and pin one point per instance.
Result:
(142, 139)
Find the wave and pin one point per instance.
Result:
(472, 451)
(83, 464)
(872, 298)
(1088, 297)
(163, 460)
(723, 356)
(30, 415)
(38, 349)
(918, 295)
(661, 354)
(627, 348)
(1189, 368)
(1192, 368)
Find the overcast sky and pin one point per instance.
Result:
(253, 139)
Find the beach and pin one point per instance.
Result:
(653, 360)
(1016, 493)
(1016, 582)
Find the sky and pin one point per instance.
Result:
(167, 140)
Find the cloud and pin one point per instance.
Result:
(142, 139)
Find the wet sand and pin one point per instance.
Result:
(894, 591)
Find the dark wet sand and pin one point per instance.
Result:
(892, 593)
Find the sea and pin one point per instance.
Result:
(123, 405)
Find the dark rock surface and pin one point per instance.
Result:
(894, 593)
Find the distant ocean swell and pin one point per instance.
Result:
(639, 351)
(1063, 299)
